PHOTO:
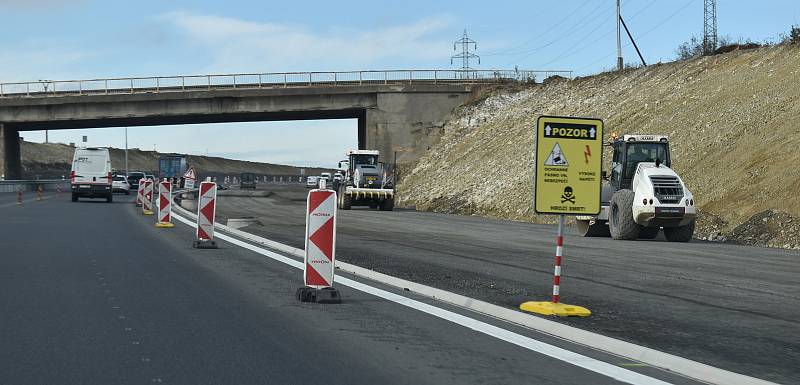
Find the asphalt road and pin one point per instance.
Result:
(734, 307)
(93, 293)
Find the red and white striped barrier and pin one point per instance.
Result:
(165, 204)
(320, 248)
(140, 193)
(147, 198)
(557, 269)
(206, 213)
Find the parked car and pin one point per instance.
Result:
(151, 177)
(311, 182)
(90, 176)
(120, 184)
(133, 179)
(221, 186)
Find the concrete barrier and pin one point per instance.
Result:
(33, 185)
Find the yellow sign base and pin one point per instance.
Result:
(148, 212)
(556, 309)
(165, 225)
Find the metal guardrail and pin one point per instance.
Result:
(156, 84)
(33, 185)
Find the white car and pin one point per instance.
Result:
(120, 184)
(311, 182)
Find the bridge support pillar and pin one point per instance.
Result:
(409, 123)
(11, 159)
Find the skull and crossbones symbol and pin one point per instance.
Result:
(568, 196)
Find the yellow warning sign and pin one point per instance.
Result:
(569, 158)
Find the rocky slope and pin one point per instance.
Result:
(732, 121)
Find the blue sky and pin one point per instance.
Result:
(61, 39)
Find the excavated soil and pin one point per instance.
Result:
(731, 118)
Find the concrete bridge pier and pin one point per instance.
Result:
(11, 159)
(409, 123)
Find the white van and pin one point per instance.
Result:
(91, 174)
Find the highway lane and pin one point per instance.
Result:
(93, 293)
(730, 306)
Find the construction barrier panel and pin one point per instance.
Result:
(206, 213)
(320, 246)
(165, 204)
(140, 193)
(147, 198)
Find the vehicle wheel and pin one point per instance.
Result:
(621, 223)
(387, 204)
(74, 197)
(109, 198)
(347, 201)
(598, 229)
(648, 232)
(679, 234)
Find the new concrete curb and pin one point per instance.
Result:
(666, 361)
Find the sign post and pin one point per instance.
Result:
(569, 157)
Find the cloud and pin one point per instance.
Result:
(238, 45)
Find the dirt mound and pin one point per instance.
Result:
(730, 118)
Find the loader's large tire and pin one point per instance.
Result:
(648, 232)
(347, 202)
(598, 229)
(679, 234)
(620, 218)
(387, 204)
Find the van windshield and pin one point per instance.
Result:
(92, 164)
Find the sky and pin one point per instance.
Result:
(89, 39)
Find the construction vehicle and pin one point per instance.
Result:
(643, 194)
(364, 182)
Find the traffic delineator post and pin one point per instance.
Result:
(554, 306)
(165, 205)
(19, 197)
(320, 247)
(206, 213)
(39, 192)
(147, 198)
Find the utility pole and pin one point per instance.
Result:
(709, 26)
(465, 54)
(619, 41)
(126, 151)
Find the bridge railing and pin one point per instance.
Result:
(47, 88)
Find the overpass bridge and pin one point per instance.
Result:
(397, 108)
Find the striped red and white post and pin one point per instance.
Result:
(206, 212)
(320, 238)
(165, 204)
(559, 254)
(147, 198)
(140, 193)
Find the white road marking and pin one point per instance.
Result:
(594, 365)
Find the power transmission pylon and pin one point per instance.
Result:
(709, 26)
(465, 54)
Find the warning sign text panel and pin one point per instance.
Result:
(569, 155)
